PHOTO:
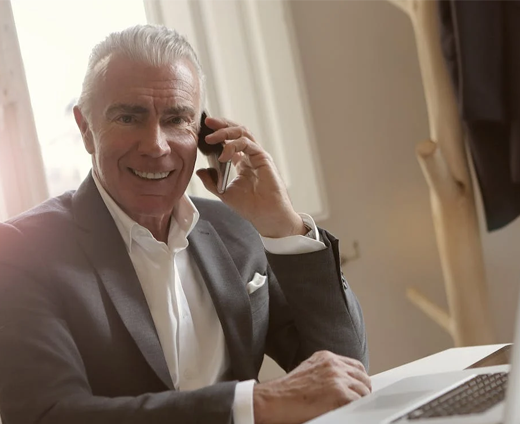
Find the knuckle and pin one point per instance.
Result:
(354, 372)
(354, 396)
(321, 354)
(359, 389)
(329, 367)
(356, 364)
(327, 354)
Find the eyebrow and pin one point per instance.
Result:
(180, 110)
(141, 110)
(126, 108)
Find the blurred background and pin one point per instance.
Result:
(345, 143)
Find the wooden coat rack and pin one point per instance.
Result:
(445, 166)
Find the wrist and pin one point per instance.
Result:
(299, 228)
(292, 226)
(259, 405)
(264, 408)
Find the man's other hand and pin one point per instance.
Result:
(318, 385)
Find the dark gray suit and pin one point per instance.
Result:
(77, 340)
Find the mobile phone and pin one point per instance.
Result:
(212, 152)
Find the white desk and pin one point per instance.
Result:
(455, 359)
(448, 360)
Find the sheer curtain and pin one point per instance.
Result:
(21, 168)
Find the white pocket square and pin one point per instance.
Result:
(257, 282)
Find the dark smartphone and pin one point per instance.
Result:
(212, 153)
(501, 357)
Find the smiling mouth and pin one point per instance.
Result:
(151, 175)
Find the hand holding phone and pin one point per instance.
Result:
(257, 193)
(212, 152)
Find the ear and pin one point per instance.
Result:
(84, 127)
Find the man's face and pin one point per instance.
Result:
(142, 134)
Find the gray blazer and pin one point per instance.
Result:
(77, 340)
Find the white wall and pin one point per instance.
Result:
(361, 71)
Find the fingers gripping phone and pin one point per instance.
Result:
(221, 170)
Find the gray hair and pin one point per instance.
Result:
(150, 44)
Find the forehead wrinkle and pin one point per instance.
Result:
(180, 101)
(171, 88)
(171, 105)
(163, 88)
(170, 84)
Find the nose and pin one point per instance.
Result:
(154, 142)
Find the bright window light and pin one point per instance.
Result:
(56, 37)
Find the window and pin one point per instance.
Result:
(245, 46)
(56, 37)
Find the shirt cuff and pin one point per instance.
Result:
(243, 403)
(294, 245)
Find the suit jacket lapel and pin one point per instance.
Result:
(229, 297)
(106, 250)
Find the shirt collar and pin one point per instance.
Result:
(184, 218)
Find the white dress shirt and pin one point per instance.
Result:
(183, 312)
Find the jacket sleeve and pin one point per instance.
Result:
(312, 308)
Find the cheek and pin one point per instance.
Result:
(105, 153)
(185, 145)
(108, 152)
(112, 143)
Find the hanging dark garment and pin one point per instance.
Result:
(481, 45)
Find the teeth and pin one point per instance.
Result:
(151, 175)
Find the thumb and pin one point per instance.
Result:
(208, 177)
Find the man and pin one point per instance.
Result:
(128, 302)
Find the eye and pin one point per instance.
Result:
(126, 119)
(178, 120)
